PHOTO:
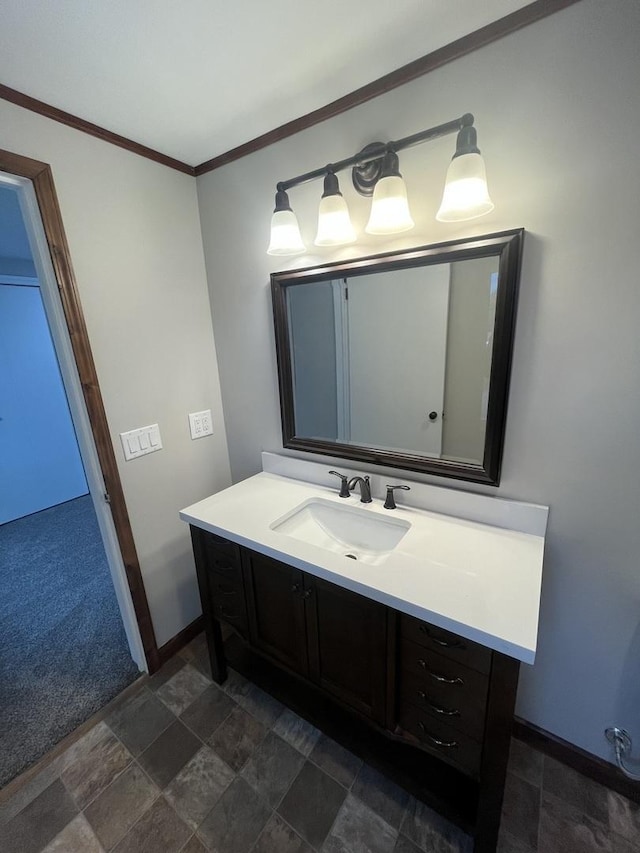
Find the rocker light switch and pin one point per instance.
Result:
(139, 442)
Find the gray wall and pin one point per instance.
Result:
(556, 108)
(469, 344)
(135, 242)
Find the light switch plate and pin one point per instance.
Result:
(200, 423)
(139, 442)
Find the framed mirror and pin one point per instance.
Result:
(403, 358)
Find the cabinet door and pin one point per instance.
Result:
(347, 646)
(276, 611)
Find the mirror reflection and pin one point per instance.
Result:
(397, 360)
(401, 359)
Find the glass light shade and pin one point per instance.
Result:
(334, 222)
(465, 193)
(389, 207)
(285, 234)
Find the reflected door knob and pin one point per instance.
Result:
(433, 416)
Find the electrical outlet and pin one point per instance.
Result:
(200, 424)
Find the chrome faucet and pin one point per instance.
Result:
(365, 488)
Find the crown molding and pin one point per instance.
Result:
(504, 26)
(36, 106)
(418, 68)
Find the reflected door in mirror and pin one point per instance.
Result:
(401, 359)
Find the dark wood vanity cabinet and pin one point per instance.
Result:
(225, 583)
(437, 708)
(347, 646)
(277, 623)
(441, 695)
(306, 624)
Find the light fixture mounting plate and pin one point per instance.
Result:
(365, 176)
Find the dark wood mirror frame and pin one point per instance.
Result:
(507, 247)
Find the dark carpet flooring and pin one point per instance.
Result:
(63, 650)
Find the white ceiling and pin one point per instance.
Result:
(194, 78)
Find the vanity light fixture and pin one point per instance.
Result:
(465, 192)
(375, 171)
(285, 231)
(389, 206)
(334, 222)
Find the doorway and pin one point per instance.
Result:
(94, 497)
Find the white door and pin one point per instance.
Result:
(397, 348)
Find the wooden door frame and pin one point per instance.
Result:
(41, 178)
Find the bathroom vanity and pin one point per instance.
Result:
(398, 633)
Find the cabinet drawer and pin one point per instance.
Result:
(441, 739)
(445, 643)
(223, 556)
(457, 685)
(228, 600)
(463, 710)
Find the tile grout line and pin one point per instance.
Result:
(136, 822)
(236, 774)
(275, 811)
(115, 778)
(64, 829)
(134, 761)
(193, 731)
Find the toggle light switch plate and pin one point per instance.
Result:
(200, 424)
(139, 442)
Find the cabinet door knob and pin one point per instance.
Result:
(295, 587)
(306, 593)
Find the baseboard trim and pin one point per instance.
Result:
(584, 762)
(180, 640)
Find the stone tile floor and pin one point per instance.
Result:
(183, 765)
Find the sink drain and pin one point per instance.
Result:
(351, 556)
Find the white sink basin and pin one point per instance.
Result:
(358, 534)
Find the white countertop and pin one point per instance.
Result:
(478, 580)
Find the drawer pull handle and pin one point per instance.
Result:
(448, 744)
(446, 644)
(225, 590)
(446, 712)
(223, 567)
(225, 613)
(441, 678)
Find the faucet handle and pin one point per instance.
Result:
(344, 488)
(390, 502)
